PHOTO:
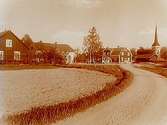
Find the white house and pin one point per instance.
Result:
(70, 58)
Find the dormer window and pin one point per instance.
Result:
(8, 43)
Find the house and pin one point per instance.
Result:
(117, 55)
(51, 52)
(106, 58)
(64, 49)
(121, 55)
(24, 51)
(149, 54)
(70, 58)
(12, 49)
(144, 55)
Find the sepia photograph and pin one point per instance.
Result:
(83, 62)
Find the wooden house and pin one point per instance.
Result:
(121, 55)
(117, 55)
(12, 49)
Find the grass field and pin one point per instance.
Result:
(156, 69)
(47, 114)
(21, 90)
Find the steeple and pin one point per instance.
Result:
(156, 43)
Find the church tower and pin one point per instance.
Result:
(156, 45)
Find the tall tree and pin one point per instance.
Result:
(27, 40)
(92, 45)
(29, 43)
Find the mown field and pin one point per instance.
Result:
(47, 113)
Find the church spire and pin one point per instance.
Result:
(156, 43)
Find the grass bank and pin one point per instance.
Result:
(46, 115)
(24, 66)
(156, 69)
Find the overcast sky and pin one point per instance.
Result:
(129, 23)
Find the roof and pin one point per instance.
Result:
(64, 48)
(51, 46)
(43, 46)
(116, 51)
(10, 32)
(144, 53)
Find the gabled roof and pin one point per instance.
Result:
(10, 32)
(117, 51)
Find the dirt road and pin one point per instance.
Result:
(143, 103)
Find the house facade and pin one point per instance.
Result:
(24, 51)
(12, 49)
(121, 55)
(117, 55)
(70, 58)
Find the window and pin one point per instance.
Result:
(122, 59)
(17, 55)
(1, 55)
(8, 43)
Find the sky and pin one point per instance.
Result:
(126, 23)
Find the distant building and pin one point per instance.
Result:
(64, 48)
(12, 49)
(70, 58)
(156, 46)
(106, 58)
(43, 50)
(117, 55)
(149, 54)
(24, 51)
(121, 55)
(144, 55)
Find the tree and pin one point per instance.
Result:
(164, 53)
(134, 53)
(92, 45)
(27, 39)
(81, 58)
(29, 43)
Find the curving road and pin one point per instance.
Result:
(142, 103)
